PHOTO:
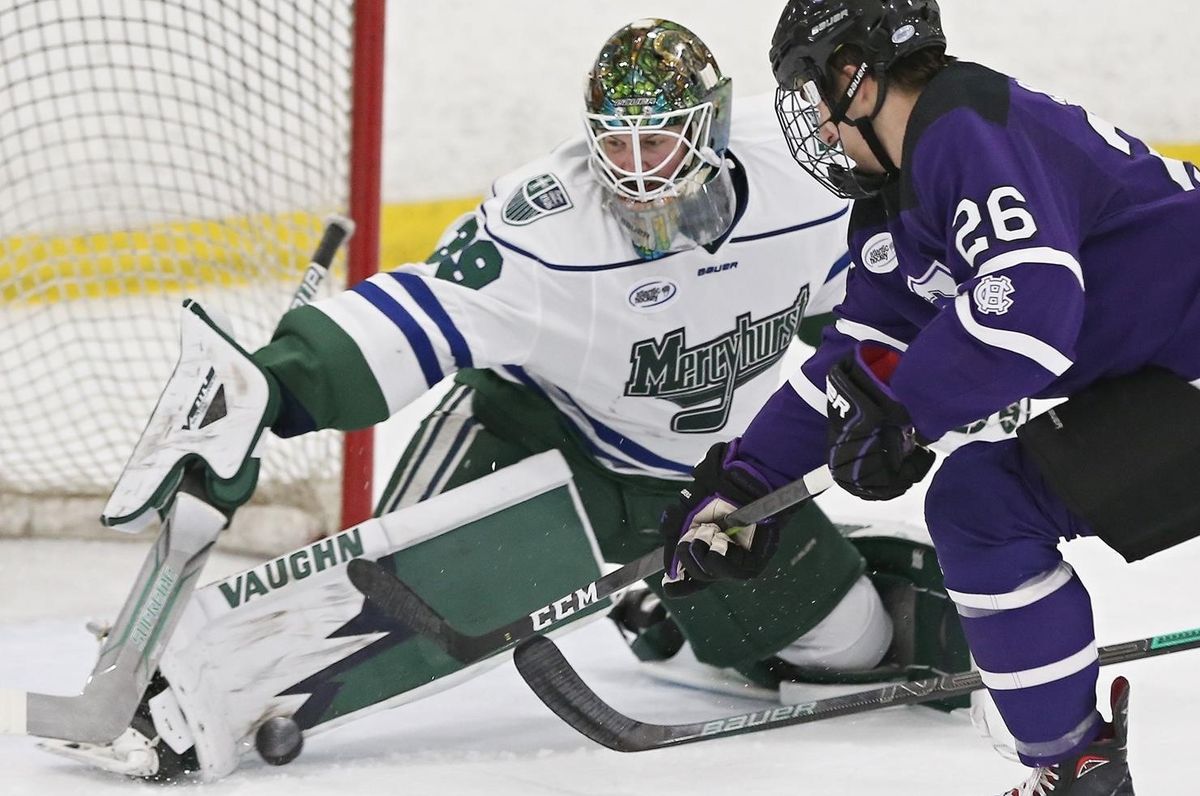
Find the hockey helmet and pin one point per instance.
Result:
(657, 112)
(808, 35)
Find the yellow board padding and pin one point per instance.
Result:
(163, 257)
(168, 256)
(1188, 152)
(409, 232)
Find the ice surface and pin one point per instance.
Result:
(491, 736)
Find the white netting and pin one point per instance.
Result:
(152, 150)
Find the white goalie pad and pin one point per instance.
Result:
(212, 409)
(292, 637)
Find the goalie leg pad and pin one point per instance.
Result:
(213, 410)
(1123, 454)
(292, 637)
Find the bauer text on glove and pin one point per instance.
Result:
(873, 447)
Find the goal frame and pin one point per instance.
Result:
(366, 162)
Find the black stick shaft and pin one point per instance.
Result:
(391, 595)
(559, 686)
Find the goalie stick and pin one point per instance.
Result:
(133, 646)
(394, 597)
(560, 687)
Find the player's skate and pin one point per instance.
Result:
(1099, 770)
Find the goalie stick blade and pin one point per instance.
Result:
(559, 686)
(131, 650)
(392, 596)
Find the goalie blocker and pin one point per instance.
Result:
(209, 420)
(293, 638)
(1123, 454)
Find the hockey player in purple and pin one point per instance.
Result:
(1006, 245)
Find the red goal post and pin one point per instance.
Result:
(366, 165)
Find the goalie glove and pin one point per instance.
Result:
(696, 551)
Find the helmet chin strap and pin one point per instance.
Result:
(867, 180)
(865, 128)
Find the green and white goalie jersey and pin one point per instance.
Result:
(650, 362)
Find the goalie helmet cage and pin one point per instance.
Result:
(153, 150)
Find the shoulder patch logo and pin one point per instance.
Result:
(650, 296)
(935, 285)
(542, 196)
(992, 295)
(879, 254)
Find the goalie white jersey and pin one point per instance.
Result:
(651, 361)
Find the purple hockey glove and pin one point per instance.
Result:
(695, 550)
(873, 450)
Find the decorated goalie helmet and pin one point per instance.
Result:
(657, 115)
(809, 34)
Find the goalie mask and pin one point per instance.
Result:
(809, 34)
(657, 116)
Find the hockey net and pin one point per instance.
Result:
(154, 150)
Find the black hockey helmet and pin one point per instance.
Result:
(811, 31)
(808, 35)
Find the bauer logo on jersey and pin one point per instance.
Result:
(652, 295)
(702, 378)
(879, 254)
(542, 196)
(992, 295)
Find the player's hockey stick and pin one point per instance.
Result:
(392, 596)
(135, 643)
(558, 685)
(338, 230)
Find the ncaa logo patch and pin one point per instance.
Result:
(879, 254)
(542, 196)
(992, 295)
(652, 295)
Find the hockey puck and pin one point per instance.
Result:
(279, 740)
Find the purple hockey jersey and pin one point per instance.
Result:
(1028, 250)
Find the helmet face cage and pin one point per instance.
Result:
(686, 130)
(808, 35)
(800, 116)
(655, 77)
